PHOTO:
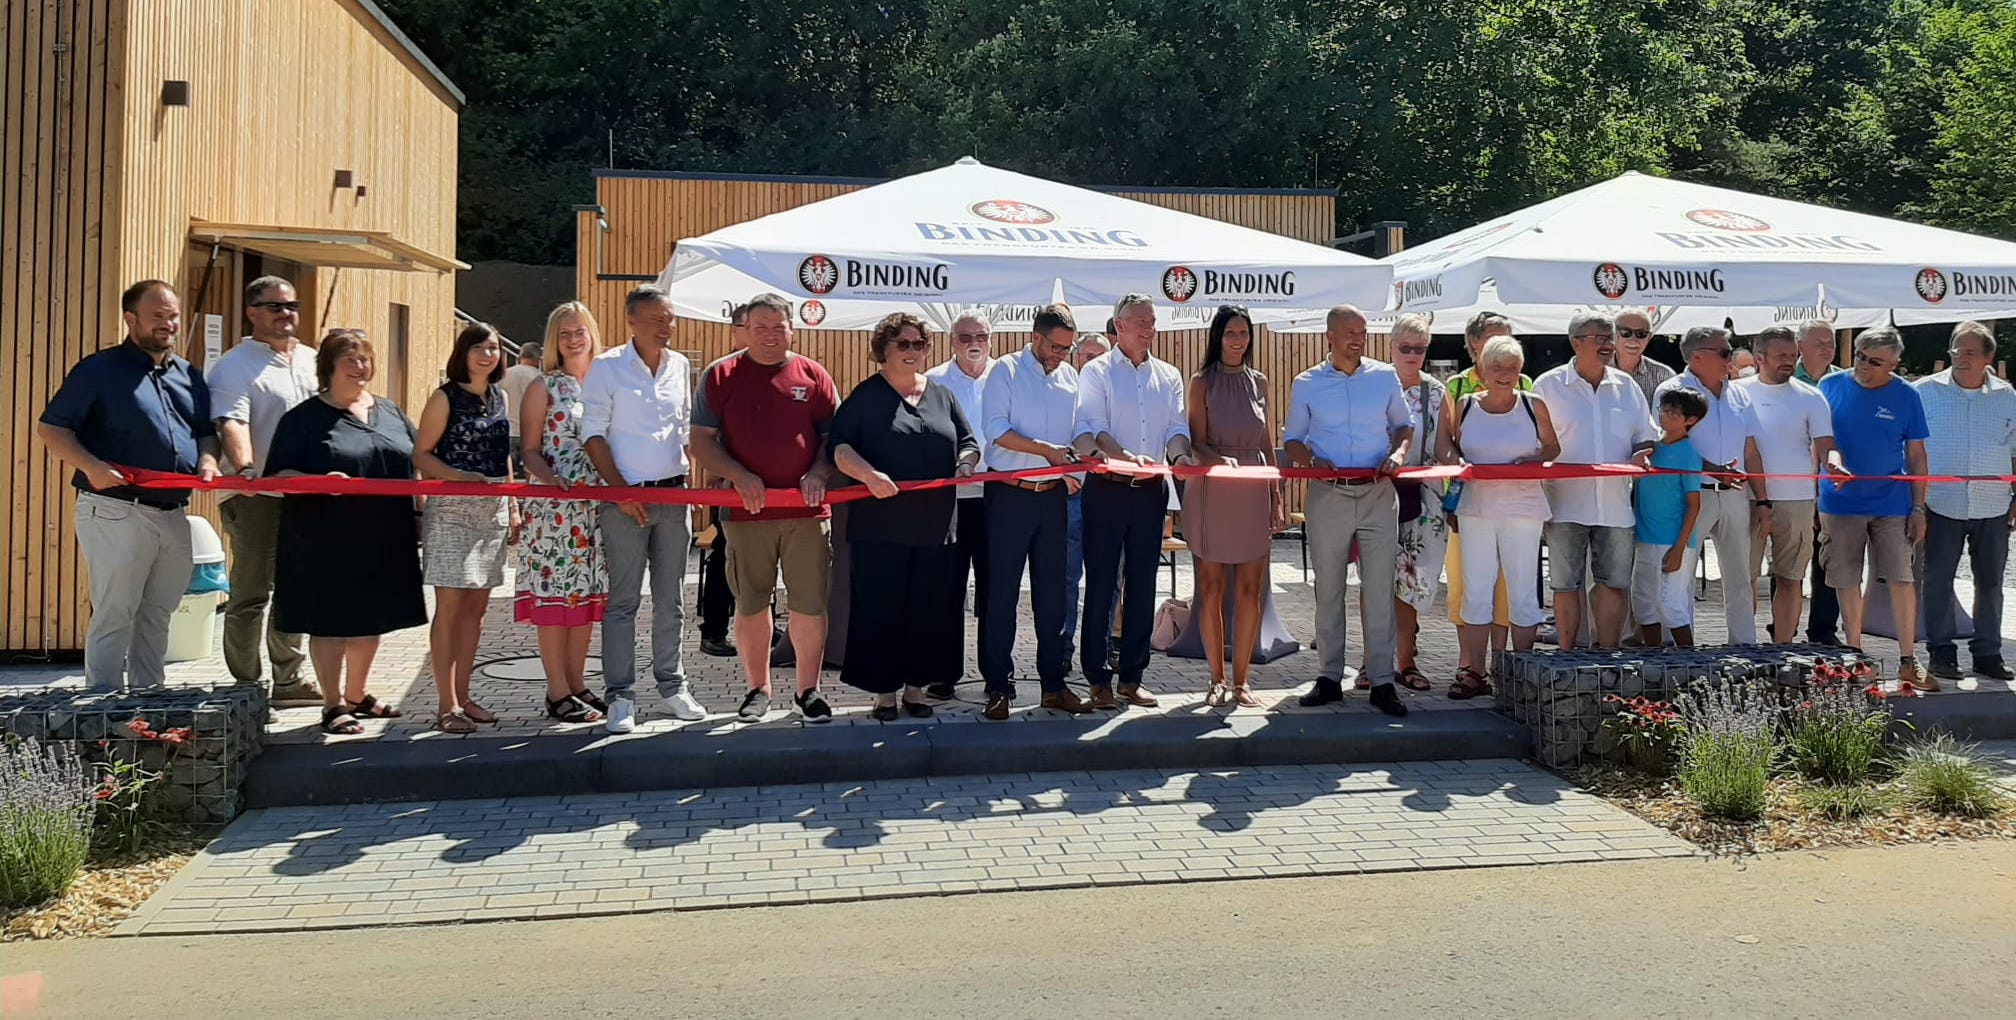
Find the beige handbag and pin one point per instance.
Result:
(1171, 618)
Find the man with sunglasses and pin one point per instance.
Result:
(1879, 429)
(1727, 442)
(251, 387)
(1634, 334)
(965, 374)
(1971, 415)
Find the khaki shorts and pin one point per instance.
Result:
(1845, 541)
(1791, 539)
(802, 548)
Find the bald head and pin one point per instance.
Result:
(1344, 328)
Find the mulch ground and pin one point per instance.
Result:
(1788, 824)
(107, 892)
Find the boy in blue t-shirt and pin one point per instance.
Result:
(1662, 575)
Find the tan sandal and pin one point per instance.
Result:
(454, 722)
(478, 714)
(1469, 684)
(1242, 695)
(1218, 697)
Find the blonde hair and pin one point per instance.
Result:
(1413, 323)
(549, 360)
(1501, 349)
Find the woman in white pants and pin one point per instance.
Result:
(1497, 523)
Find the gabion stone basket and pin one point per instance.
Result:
(199, 741)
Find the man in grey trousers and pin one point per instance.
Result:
(636, 411)
(1349, 412)
(136, 405)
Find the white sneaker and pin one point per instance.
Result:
(684, 708)
(620, 720)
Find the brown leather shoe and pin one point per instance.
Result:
(1910, 675)
(997, 707)
(1066, 700)
(1138, 696)
(1103, 699)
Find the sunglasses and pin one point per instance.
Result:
(1864, 359)
(911, 345)
(1721, 352)
(1410, 349)
(278, 306)
(1635, 334)
(966, 338)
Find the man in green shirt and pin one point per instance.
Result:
(1816, 352)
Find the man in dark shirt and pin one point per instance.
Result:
(136, 405)
(760, 423)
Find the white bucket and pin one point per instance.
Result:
(204, 545)
(193, 626)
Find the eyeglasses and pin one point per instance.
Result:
(1596, 338)
(1720, 352)
(911, 345)
(1634, 334)
(965, 338)
(278, 306)
(1864, 359)
(1410, 349)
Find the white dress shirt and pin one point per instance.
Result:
(517, 379)
(1973, 433)
(1789, 418)
(1020, 397)
(970, 393)
(1140, 406)
(1731, 421)
(643, 417)
(1598, 424)
(254, 384)
(1347, 419)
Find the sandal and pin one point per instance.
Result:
(454, 722)
(478, 714)
(1219, 695)
(371, 708)
(588, 698)
(571, 709)
(1242, 696)
(337, 721)
(917, 709)
(1413, 679)
(1469, 684)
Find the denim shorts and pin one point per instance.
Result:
(1569, 546)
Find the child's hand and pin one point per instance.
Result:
(1674, 557)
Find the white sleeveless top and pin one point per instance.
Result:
(1488, 438)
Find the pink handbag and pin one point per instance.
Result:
(1171, 618)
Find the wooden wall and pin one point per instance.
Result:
(102, 181)
(648, 213)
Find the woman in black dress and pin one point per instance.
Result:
(348, 569)
(906, 587)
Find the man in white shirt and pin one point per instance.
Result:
(1130, 409)
(1727, 442)
(635, 417)
(251, 387)
(1601, 417)
(1089, 346)
(1795, 429)
(965, 374)
(517, 379)
(1972, 418)
(1031, 403)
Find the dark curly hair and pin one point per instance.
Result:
(889, 329)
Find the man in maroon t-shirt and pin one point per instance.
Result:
(760, 423)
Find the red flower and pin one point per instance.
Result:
(1875, 691)
(179, 735)
(140, 727)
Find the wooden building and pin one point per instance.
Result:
(206, 143)
(626, 238)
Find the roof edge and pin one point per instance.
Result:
(412, 49)
(699, 175)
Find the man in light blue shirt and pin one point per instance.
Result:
(1349, 412)
(1971, 417)
(1031, 405)
(1130, 408)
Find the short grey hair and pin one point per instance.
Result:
(1822, 325)
(257, 288)
(1413, 323)
(1089, 338)
(1699, 338)
(1974, 329)
(1129, 301)
(1482, 321)
(979, 317)
(1582, 320)
(1880, 338)
(1500, 349)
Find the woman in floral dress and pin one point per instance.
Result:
(1423, 535)
(562, 583)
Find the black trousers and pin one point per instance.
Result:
(972, 551)
(1823, 607)
(715, 602)
(1025, 529)
(1123, 540)
(906, 621)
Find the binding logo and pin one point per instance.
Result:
(1611, 280)
(1723, 219)
(812, 313)
(1931, 285)
(1179, 283)
(1008, 210)
(818, 275)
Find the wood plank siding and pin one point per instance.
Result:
(647, 213)
(102, 181)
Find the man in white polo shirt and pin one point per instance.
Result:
(965, 374)
(1727, 442)
(251, 386)
(1795, 431)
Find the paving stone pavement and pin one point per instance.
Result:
(510, 681)
(287, 869)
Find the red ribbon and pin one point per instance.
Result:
(790, 498)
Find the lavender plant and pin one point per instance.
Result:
(1835, 734)
(45, 820)
(1728, 744)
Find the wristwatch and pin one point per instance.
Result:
(1765, 503)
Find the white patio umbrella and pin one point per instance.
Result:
(970, 235)
(1642, 240)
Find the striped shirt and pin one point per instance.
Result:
(1973, 433)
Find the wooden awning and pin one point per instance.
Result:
(326, 246)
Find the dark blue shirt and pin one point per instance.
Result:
(129, 411)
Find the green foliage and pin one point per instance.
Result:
(1428, 112)
(1846, 803)
(1944, 775)
(1728, 747)
(1835, 734)
(45, 820)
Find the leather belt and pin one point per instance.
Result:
(1130, 481)
(1721, 486)
(1036, 485)
(1349, 483)
(674, 482)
